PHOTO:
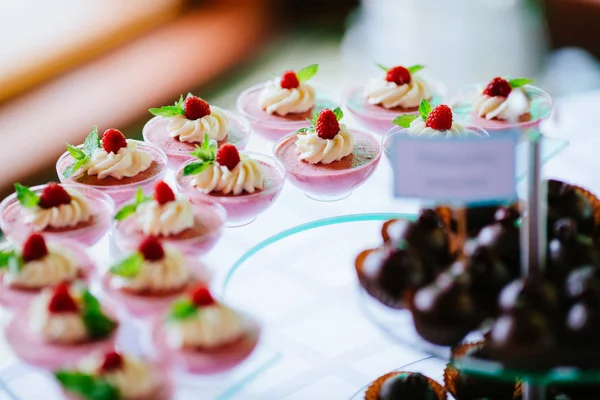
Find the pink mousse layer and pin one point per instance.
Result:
(14, 297)
(156, 132)
(335, 178)
(199, 239)
(243, 206)
(210, 361)
(495, 125)
(32, 349)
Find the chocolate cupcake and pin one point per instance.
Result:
(445, 311)
(389, 274)
(464, 386)
(568, 201)
(476, 218)
(405, 386)
(502, 237)
(538, 295)
(583, 284)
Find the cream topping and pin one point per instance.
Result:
(248, 176)
(418, 128)
(168, 274)
(127, 162)
(390, 95)
(276, 100)
(211, 326)
(215, 125)
(164, 219)
(312, 149)
(57, 266)
(61, 328)
(499, 107)
(62, 216)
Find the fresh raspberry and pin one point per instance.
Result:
(112, 361)
(151, 249)
(327, 124)
(34, 248)
(440, 118)
(54, 195)
(498, 87)
(163, 193)
(195, 108)
(201, 297)
(399, 75)
(228, 156)
(113, 140)
(61, 300)
(289, 80)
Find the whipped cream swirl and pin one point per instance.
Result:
(247, 176)
(276, 100)
(390, 95)
(215, 125)
(164, 219)
(62, 216)
(60, 328)
(509, 108)
(165, 275)
(57, 266)
(418, 128)
(313, 149)
(127, 162)
(212, 326)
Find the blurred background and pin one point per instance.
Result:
(66, 65)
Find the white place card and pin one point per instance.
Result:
(457, 170)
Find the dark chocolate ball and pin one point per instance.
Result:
(583, 284)
(503, 239)
(565, 201)
(583, 324)
(412, 386)
(539, 295)
(573, 392)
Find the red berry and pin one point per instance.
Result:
(163, 193)
(201, 297)
(289, 80)
(399, 75)
(61, 300)
(112, 361)
(228, 156)
(54, 195)
(440, 118)
(195, 108)
(151, 249)
(327, 124)
(498, 87)
(113, 140)
(34, 248)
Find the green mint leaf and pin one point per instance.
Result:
(182, 309)
(69, 171)
(86, 386)
(5, 257)
(307, 72)
(76, 153)
(15, 264)
(405, 120)
(167, 111)
(415, 68)
(26, 197)
(424, 109)
(140, 197)
(97, 324)
(383, 67)
(91, 142)
(301, 130)
(207, 151)
(128, 267)
(195, 168)
(518, 82)
(339, 114)
(125, 212)
(179, 103)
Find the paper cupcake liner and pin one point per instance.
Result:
(593, 199)
(373, 390)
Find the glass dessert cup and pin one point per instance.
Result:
(209, 218)
(121, 190)
(88, 233)
(33, 350)
(241, 209)
(335, 181)
(378, 119)
(539, 110)
(204, 361)
(14, 297)
(272, 126)
(155, 131)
